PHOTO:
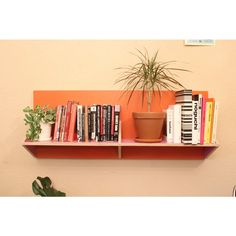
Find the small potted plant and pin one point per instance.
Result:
(150, 76)
(40, 120)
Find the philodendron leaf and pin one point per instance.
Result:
(45, 182)
(37, 189)
(46, 189)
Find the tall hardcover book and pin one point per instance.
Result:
(86, 139)
(112, 122)
(98, 122)
(184, 98)
(83, 124)
(109, 114)
(57, 123)
(93, 109)
(116, 122)
(215, 119)
(89, 123)
(208, 120)
(67, 121)
(203, 115)
(72, 134)
(104, 122)
(79, 122)
(60, 127)
(195, 120)
(176, 123)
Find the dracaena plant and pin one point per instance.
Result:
(44, 188)
(149, 75)
(33, 117)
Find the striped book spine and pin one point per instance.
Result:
(184, 98)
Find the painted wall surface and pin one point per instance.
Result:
(77, 65)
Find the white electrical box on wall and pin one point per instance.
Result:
(199, 42)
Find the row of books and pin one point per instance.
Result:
(192, 120)
(75, 122)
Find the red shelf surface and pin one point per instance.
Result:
(127, 149)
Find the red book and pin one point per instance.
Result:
(67, 120)
(72, 126)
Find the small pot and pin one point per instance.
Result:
(46, 130)
(149, 126)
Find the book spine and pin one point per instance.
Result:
(56, 127)
(72, 124)
(104, 122)
(199, 117)
(203, 116)
(169, 125)
(215, 119)
(195, 122)
(62, 126)
(93, 122)
(86, 124)
(212, 120)
(112, 122)
(98, 118)
(177, 123)
(83, 124)
(79, 123)
(101, 124)
(116, 122)
(207, 123)
(109, 111)
(89, 123)
(184, 98)
(67, 122)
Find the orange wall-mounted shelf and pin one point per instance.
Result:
(126, 148)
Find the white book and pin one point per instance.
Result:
(169, 125)
(195, 124)
(199, 117)
(214, 129)
(176, 123)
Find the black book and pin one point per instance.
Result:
(98, 124)
(109, 113)
(83, 124)
(116, 122)
(89, 123)
(104, 123)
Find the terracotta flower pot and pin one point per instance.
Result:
(149, 126)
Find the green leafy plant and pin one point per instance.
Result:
(150, 76)
(33, 117)
(45, 189)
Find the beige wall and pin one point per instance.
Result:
(36, 65)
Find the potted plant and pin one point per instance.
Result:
(150, 76)
(40, 120)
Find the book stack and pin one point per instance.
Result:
(75, 122)
(193, 119)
